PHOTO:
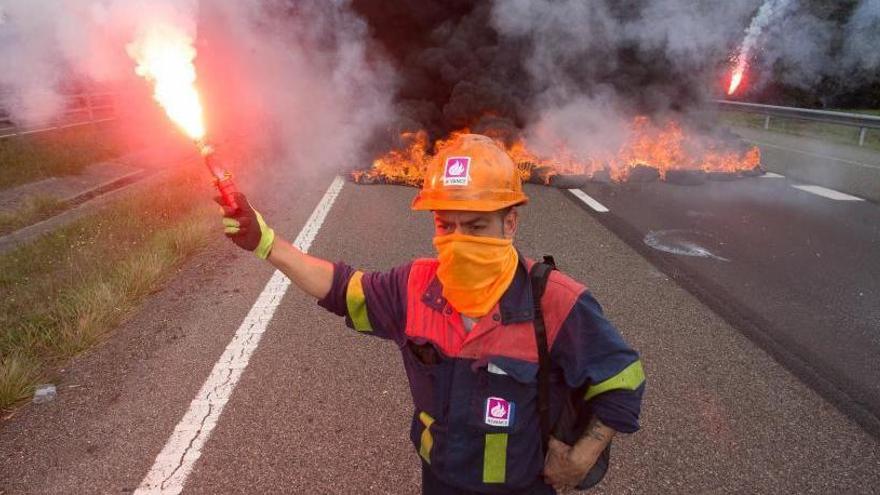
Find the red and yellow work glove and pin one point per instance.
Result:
(246, 227)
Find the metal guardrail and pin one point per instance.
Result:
(861, 121)
(80, 109)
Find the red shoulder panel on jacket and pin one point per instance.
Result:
(559, 298)
(424, 322)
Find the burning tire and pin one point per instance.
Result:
(723, 176)
(568, 181)
(643, 174)
(683, 159)
(754, 172)
(603, 176)
(686, 177)
(540, 175)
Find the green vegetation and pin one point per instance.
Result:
(62, 293)
(817, 130)
(37, 208)
(61, 152)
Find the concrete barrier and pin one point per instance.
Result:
(848, 169)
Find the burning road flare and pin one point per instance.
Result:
(769, 10)
(736, 77)
(165, 57)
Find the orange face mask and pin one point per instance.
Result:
(475, 271)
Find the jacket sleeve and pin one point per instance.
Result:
(373, 303)
(594, 357)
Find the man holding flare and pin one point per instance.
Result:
(465, 323)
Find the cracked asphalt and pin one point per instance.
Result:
(321, 409)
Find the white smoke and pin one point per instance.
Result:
(797, 50)
(304, 66)
(575, 67)
(49, 47)
(311, 76)
(573, 56)
(803, 48)
(861, 49)
(770, 11)
(307, 70)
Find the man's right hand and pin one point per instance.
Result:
(246, 227)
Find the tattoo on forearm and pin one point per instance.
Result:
(595, 430)
(596, 437)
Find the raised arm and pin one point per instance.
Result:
(247, 229)
(313, 275)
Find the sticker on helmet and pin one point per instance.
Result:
(499, 412)
(456, 172)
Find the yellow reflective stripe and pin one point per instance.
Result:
(629, 379)
(267, 238)
(357, 303)
(427, 441)
(495, 458)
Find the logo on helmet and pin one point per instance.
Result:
(456, 172)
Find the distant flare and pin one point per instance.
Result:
(736, 76)
(770, 10)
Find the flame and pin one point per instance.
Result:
(665, 147)
(164, 56)
(736, 75)
(405, 166)
(735, 80)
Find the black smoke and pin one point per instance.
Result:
(462, 64)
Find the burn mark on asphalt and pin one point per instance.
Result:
(683, 242)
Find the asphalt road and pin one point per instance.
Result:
(798, 272)
(320, 409)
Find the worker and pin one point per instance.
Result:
(465, 325)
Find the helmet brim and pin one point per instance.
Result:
(424, 204)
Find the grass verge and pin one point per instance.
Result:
(35, 209)
(61, 152)
(61, 294)
(817, 130)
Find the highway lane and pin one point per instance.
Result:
(797, 271)
(118, 404)
(342, 424)
(321, 409)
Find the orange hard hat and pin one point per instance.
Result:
(470, 173)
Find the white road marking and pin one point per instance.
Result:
(184, 447)
(828, 193)
(592, 203)
(772, 175)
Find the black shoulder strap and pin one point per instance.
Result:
(566, 427)
(539, 275)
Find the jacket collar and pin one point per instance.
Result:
(516, 304)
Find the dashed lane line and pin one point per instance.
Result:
(184, 447)
(828, 193)
(772, 175)
(589, 201)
